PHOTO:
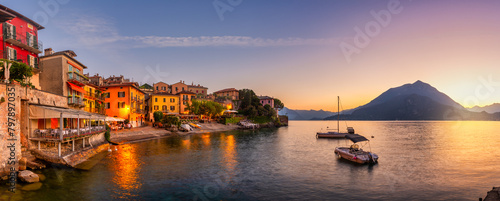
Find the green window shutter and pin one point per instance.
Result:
(14, 34)
(15, 55)
(4, 27)
(29, 60)
(28, 38)
(35, 41)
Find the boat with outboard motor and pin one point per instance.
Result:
(354, 153)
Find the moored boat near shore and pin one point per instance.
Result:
(354, 153)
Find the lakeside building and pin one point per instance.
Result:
(266, 100)
(198, 89)
(178, 87)
(125, 100)
(166, 103)
(186, 98)
(20, 40)
(63, 75)
(229, 93)
(161, 87)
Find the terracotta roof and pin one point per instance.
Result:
(265, 97)
(226, 90)
(164, 94)
(66, 53)
(132, 84)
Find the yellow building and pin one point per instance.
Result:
(125, 101)
(164, 102)
(93, 99)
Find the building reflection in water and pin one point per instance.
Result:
(126, 166)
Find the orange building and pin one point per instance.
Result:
(185, 98)
(125, 101)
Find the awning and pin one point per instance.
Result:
(48, 112)
(231, 111)
(355, 138)
(76, 88)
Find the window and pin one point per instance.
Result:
(121, 94)
(10, 31)
(163, 88)
(185, 103)
(31, 40)
(156, 100)
(164, 107)
(106, 95)
(121, 104)
(31, 61)
(176, 89)
(12, 54)
(172, 100)
(164, 100)
(106, 105)
(192, 97)
(172, 108)
(156, 88)
(156, 107)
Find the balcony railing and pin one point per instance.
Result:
(98, 96)
(77, 77)
(68, 134)
(75, 101)
(21, 40)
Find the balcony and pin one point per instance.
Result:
(76, 101)
(21, 40)
(95, 110)
(77, 77)
(97, 96)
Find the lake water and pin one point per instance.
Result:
(418, 161)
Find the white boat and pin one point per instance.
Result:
(354, 153)
(335, 133)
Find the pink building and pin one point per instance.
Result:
(266, 100)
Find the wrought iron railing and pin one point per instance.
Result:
(22, 40)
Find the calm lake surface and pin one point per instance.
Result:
(418, 161)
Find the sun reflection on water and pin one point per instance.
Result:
(126, 166)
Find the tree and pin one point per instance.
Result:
(158, 116)
(171, 121)
(18, 71)
(278, 104)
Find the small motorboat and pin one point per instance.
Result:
(354, 153)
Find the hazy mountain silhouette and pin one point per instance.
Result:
(305, 114)
(493, 108)
(417, 101)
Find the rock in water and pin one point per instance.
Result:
(28, 176)
(22, 163)
(42, 177)
(32, 187)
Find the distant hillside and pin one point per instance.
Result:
(305, 114)
(493, 108)
(417, 101)
(419, 88)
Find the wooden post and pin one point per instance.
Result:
(78, 125)
(59, 149)
(38, 144)
(61, 125)
(83, 140)
(73, 144)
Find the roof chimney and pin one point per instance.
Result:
(48, 51)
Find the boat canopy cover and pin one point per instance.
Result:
(355, 138)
